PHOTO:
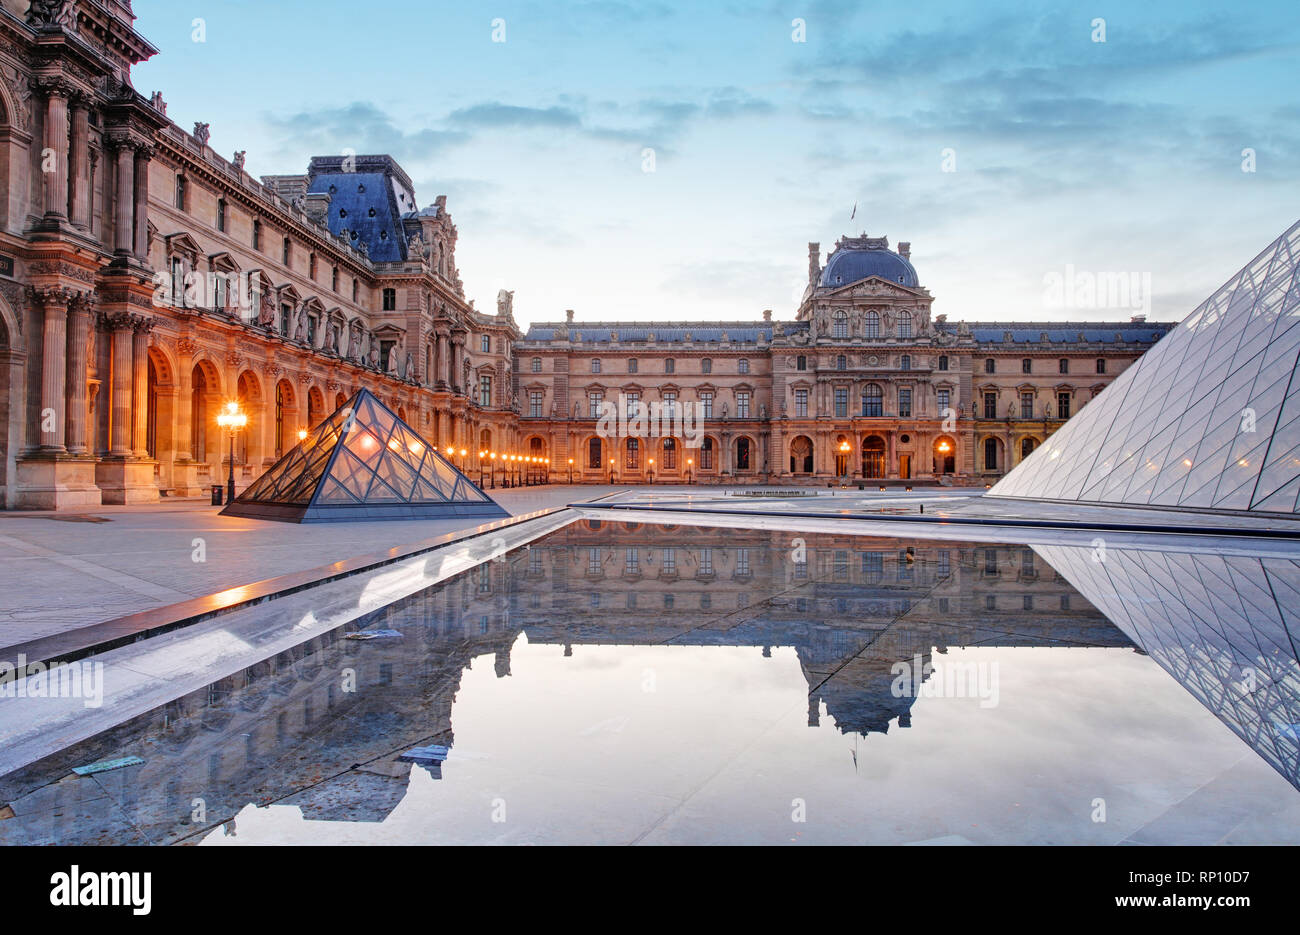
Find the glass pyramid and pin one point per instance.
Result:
(362, 463)
(1207, 419)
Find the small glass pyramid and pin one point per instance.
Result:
(1208, 419)
(362, 463)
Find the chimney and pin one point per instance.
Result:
(1138, 319)
(568, 314)
(767, 314)
(905, 249)
(317, 206)
(814, 263)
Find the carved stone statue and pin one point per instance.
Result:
(157, 103)
(239, 159)
(505, 302)
(408, 371)
(266, 311)
(202, 133)
(332, 340)
(374, 353)
(392, 363)
(58, 13)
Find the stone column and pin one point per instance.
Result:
(124, 205)
(140, 387)
(79, 322)
(79, 210)
(53, 367)
(56, 151)
(121, 375)
(141, 190)
(184, 394)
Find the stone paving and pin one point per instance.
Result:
(59, 571)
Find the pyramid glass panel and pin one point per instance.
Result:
(1207, 419)
(362, 463)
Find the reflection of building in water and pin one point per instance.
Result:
(289, 730)
(1226, 627)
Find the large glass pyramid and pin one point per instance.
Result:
(1207, 419)
(362, 463)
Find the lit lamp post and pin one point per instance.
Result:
(570, 472)
(689, 462)
(943, 448)
(844, 451)
(302, 435)
(548, 471)
(492, 456)
(481, 456)
(611, 471)
(652, 472)
(234, 420)
(463, 452)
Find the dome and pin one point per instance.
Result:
(849, 265)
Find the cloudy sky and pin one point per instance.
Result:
(1105, 157)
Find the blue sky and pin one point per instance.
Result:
(1122, 156)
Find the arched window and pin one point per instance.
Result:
(593, 454)
(706, 455)
(990, 454)
(904, 324)
(840, 324)
(1027, 446)
(872, 400)
(744, 451)
(670, 454)
(633, 454)
(872, 325)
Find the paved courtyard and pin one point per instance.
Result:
(59, 571)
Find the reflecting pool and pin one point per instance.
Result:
(623, 683)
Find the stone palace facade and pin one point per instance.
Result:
(146, 281)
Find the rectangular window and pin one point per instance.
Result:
(1026, 366)
(1063, 405)
(801, 404)
(257, 235)
(1064, 365)
(841, 402)
(485, 391)
(284, 252)
(485, 343)
(595, 366)
(988, 365)
(801, 362)
(706, 560)
(945, 397)
(1026, 405)
(631, 561)
(1101, 365)
(535, 403)
(944, 566)
(873, 566)
(537, 365)
(742, 405)
(593, 561)
(669, 564)
(390, 300)
(742, 561)
(670, 404)
(905, 402)
(670, 365)
(990, 405)
(221, 216)
(631, 365)
(633, 401)
(706, 404)
(744, 365)
(593, 404)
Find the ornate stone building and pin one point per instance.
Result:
(864, 384)
(146, 282)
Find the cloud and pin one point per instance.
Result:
(361, 126)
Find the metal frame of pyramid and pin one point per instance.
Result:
(362, 463)
(1207, 420)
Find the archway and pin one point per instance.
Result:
(315, 407)
(945, 455)
(670, 454)
(248, 445)
(991, 455)
(1027, 446)
(744, 454)
(842, 452)
(706, 454)
(286, 417)
(801, 455)
(873, 457)
(594, 454)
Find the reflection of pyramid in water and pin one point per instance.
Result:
(1209, 418)
(362, 463)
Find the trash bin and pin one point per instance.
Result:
(217, 493)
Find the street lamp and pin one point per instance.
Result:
(302, 435)
(611, 471)
(652, 472)
(547, 461)
(481, 456)
(689, 462)
(570, 472)
(844, 450)
(493, 473)
(234, 420)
